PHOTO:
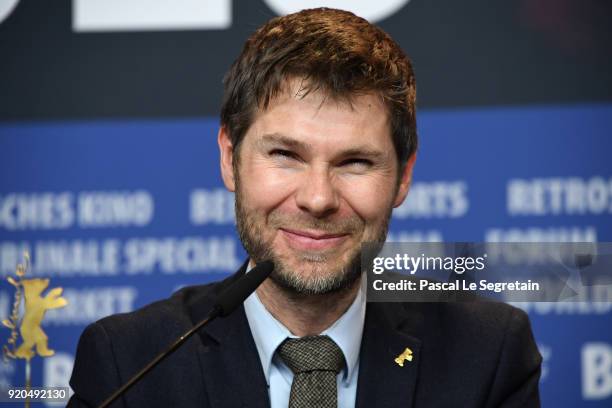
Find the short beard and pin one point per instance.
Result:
(296, 284)
(252, 238)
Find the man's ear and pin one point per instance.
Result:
(226, 155)
(405, 181)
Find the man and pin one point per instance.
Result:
(318, 141)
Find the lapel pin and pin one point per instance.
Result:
(405, 356)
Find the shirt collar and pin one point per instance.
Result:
(269, 333)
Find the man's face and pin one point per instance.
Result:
(314, 179)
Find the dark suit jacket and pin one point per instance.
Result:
(467, 354)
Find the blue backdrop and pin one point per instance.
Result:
(123, 212)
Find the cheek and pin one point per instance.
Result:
(265, 188)
(369, 197)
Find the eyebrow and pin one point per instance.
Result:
(286, 141)
(278, 138)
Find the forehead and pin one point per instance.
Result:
(318, 120)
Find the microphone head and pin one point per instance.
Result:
(237, 293)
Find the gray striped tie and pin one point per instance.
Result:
(315, 362)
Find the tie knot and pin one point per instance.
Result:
(311, 353)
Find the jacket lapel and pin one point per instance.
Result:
(231, 370)
(233, 375)
(389, 330)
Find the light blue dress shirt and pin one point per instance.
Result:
(269, 333)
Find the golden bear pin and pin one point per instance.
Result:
(405, 356)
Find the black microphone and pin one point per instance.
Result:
(226, 303)
(235, 294)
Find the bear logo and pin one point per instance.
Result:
(35, 308)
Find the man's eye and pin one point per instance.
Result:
(283, 154)
(360, 163)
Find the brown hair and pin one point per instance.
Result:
(331, 50)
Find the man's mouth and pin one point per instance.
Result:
(312, 239)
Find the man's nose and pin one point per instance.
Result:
(317, 193)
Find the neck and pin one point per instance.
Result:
(305, 315)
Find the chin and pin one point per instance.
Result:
(315, 277)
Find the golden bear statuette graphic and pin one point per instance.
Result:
(34, 339)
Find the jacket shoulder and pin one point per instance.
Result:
(166, 318)
(160, 318)
(114, 348)
(480, 326)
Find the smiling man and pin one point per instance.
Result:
(318, 142)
